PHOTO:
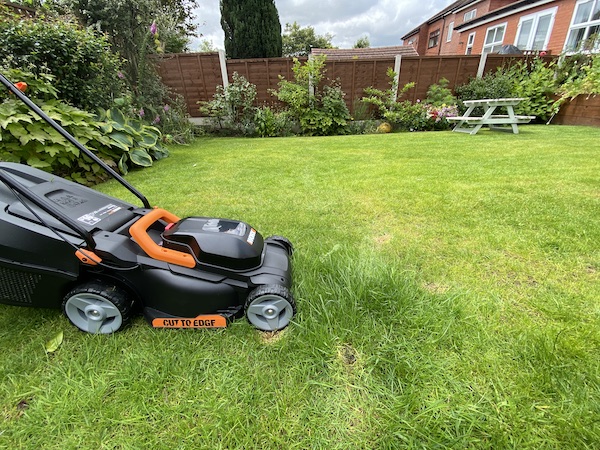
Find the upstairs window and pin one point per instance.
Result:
(584, 33)
(434, 38)
(470, 15)
(494, 38)
(450, 30)
(534, 30)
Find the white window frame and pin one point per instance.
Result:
(470, 15)
(470, 43)
(536, 20)
(450, 31)
(488, 48)
(586, 27)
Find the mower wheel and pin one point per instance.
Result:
(282, 242)
(98, 308)
(270, 307)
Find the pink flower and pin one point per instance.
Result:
(141, 112)
(120, 75)
(153, 28)
(156, 120)
(166, 108)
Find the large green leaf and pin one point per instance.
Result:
(117, 116)
(6, 120)
(123, 164)
(37, 163)
(140, 157)
(121, 140)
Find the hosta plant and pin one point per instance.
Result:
(27, 138)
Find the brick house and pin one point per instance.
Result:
(483, 26)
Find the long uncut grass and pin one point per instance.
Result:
(448, 297)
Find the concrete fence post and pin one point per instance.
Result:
(397, 65)
(223, 64)
(481, 67)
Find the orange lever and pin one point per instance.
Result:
(139, 232)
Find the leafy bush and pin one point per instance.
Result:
(86, 71)
(440, 95)
(269, 123)
(407, 116)
(585, 80)
(320, 111)
(233, 106)
(492, 85)
(26, 138)
(535, 83)
(385, 102)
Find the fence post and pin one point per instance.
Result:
(311, 87)
(481, 67)
(397, 65)
(223, 64)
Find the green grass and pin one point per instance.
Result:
(448, 297)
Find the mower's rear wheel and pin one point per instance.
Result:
(98, 308)
(270, 307)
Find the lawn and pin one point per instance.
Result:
(448, 291)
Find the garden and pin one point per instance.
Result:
(447, 289)
(447, 285)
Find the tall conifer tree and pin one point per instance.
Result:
(252, 28)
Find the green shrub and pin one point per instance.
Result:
(86, 71)
(320, 111)
(492, 85)
(233, 106)
(27, 138)
(385, 102)
(269, 123)
(440, 95)
(536, 84)
(585, 80)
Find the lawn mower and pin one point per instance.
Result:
(102, 260)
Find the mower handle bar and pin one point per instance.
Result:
(139, 232)
(72, 140)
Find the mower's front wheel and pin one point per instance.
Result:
(270, 307)
(98, 308)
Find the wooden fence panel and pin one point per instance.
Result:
(196, 75)
(193, 75)
(263, 73)
(425, 71)
(354, 76)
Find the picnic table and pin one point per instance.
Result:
(503, 122)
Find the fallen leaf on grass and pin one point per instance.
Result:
(54, 343)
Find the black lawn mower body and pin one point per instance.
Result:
(102, 260)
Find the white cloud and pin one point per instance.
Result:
(382, 21)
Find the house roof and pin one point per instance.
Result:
(450, 9)
(444, 12)
(497, 12)
(337, 54)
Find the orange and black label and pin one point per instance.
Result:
(205, 321)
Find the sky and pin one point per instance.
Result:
(383, 22)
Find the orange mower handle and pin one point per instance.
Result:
(139, 232)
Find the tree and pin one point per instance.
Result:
(362, 42)
(252, 28)
(297, 41)
(127, 25)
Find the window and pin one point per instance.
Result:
(534, 30)
(434, 37)
(470, 15)
(470, 42)
(584, 33)
(450, 30)
(494, 38)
